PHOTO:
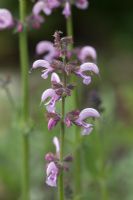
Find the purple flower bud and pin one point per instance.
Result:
(68, 122)
(6, 19)
(82, 4)
(67, 10)
(19, 27)
(54, 118)
(87, 52)
(52, 123)
(34, 21)
(46, 47)
(68, 158)
(52, 173)
(49, 157)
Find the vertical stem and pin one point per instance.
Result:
(24, 62)
(104, 194)
(77, 156)
(62, 134)
(69, 27)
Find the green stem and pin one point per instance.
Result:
(61, 183)
(69, 27)
(62, 134)
(104, 194)
(77, 156)
(24, 62)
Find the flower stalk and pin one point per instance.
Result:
(77, 157)
(62, 135)
(24, 62)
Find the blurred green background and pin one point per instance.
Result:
(106, 25)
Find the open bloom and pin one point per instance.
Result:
(45, 6)
(6, 19)
(51, 93)
(78, 118)
(48, 48)
(87, 53)
(52, 173)
(87, 67)
(44, 64)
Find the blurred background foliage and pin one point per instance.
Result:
(106, 25)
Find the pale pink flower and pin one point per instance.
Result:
(83, 115)
(87, 67)
(67, 10)
(45, 6)
(52, 173)
(46, 47)
(6, 19)
(78, 118)
(86, 53)
(51, 93)
(44, 64)
(82, 4)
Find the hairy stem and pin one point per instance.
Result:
(24, 62)
(77, 164)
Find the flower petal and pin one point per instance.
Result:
(87, 52)
(57, 144)
(89, 67)
(41, 63)
(88, 112)
(86, 80)
(87, 131)
(47, 93)
(38, 7)
(46, 47)
(6, 19)
(55, 78)
(51, 167)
